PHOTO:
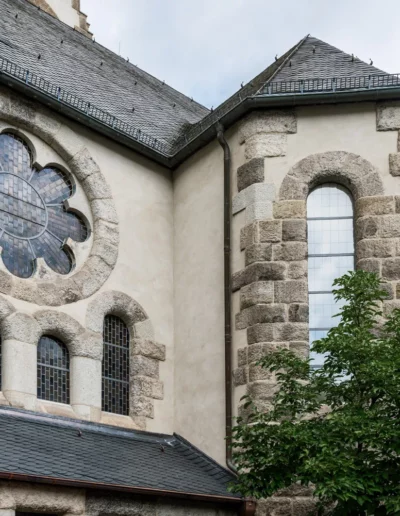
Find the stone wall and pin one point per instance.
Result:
(25, 497)
(272, 285)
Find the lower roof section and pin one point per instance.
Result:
(55, 450)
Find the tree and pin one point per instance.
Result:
(338, 427)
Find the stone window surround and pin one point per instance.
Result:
(21, 333)
(24, 114)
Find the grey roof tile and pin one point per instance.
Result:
(41, 445)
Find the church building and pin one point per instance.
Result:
(152, 250)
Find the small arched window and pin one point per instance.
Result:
(115, 382)
(330, 221)
(52, 370)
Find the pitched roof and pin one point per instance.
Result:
(93, 73)
(41, 56)
(40, 446)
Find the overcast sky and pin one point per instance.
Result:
(206, 49)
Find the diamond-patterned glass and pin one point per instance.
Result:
(33, 220)
(52, 370)
(330, 223)
(115, 384)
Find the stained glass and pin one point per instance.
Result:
(33, 220)
(115, 388)
(52, 370)
(330, 255)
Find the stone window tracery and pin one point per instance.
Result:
(34, 222)
(330, 221)
(115, 377)
(53, 372)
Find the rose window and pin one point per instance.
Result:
(34, 222)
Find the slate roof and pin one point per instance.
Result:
(133, 107)
(89, 70)
(47, 446)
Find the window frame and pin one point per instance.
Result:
(40, 366)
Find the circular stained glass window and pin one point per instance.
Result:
(33, 220)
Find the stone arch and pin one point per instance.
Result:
(79, 341)
(123, 306)
(345, 168)
(24, 114)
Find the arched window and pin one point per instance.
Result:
(52, 370)
(115, 388)
(330, 254)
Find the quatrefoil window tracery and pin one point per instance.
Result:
(33, 220)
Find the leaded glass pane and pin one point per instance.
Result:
(115, 384)
(53, 370)
(330, 255)
(33, 220)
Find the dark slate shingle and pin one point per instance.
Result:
(41, 445)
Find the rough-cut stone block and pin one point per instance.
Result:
(389, 289)
(149, 387)
(290, 210)
(274, 507)
(148, 348)
(250, 173)
(265, 145)
(248, 235)
(258, 211)
(259, 271)
(270, 230)
(391, 269)
(141, 406)
(259, 350)
(262, 390)
(289, 251)
(370, 265)
(297, 270)
(240, 376)
(305, 506)
(394, 164)
(377, 205)
(294, 230)
(261, 292)
(302, 348)
(266, 313)
(104, 209)
(389, 306)
(397, 203)
(258, 253)
(386, 226)
(105, 250)
(82, 163)
(278, 121)
(290, 292)
(260, 333)
(294, 189)
(257, 372)
(388, 116)
(106, 231)
(256, 193)
(22, 327)
(295, 490)
(96, 187)
(298, 313)
(242, 357)
(290, 332)
(6, 282)
(375, 248)
(144, 366)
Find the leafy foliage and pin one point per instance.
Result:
(338, 427)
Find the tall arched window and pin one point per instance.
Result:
(330, 254)
(52, 370)
(115, 388)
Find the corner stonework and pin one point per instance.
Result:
(273, 283)
(388, 119)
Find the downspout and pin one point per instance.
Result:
(227, 294)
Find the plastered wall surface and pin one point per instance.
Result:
(65, 12)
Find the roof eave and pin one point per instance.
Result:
(83, 484)
(287, 100)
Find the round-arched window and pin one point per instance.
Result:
(33, 220)
(115, 384)
(330, 222)
(52, 370)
